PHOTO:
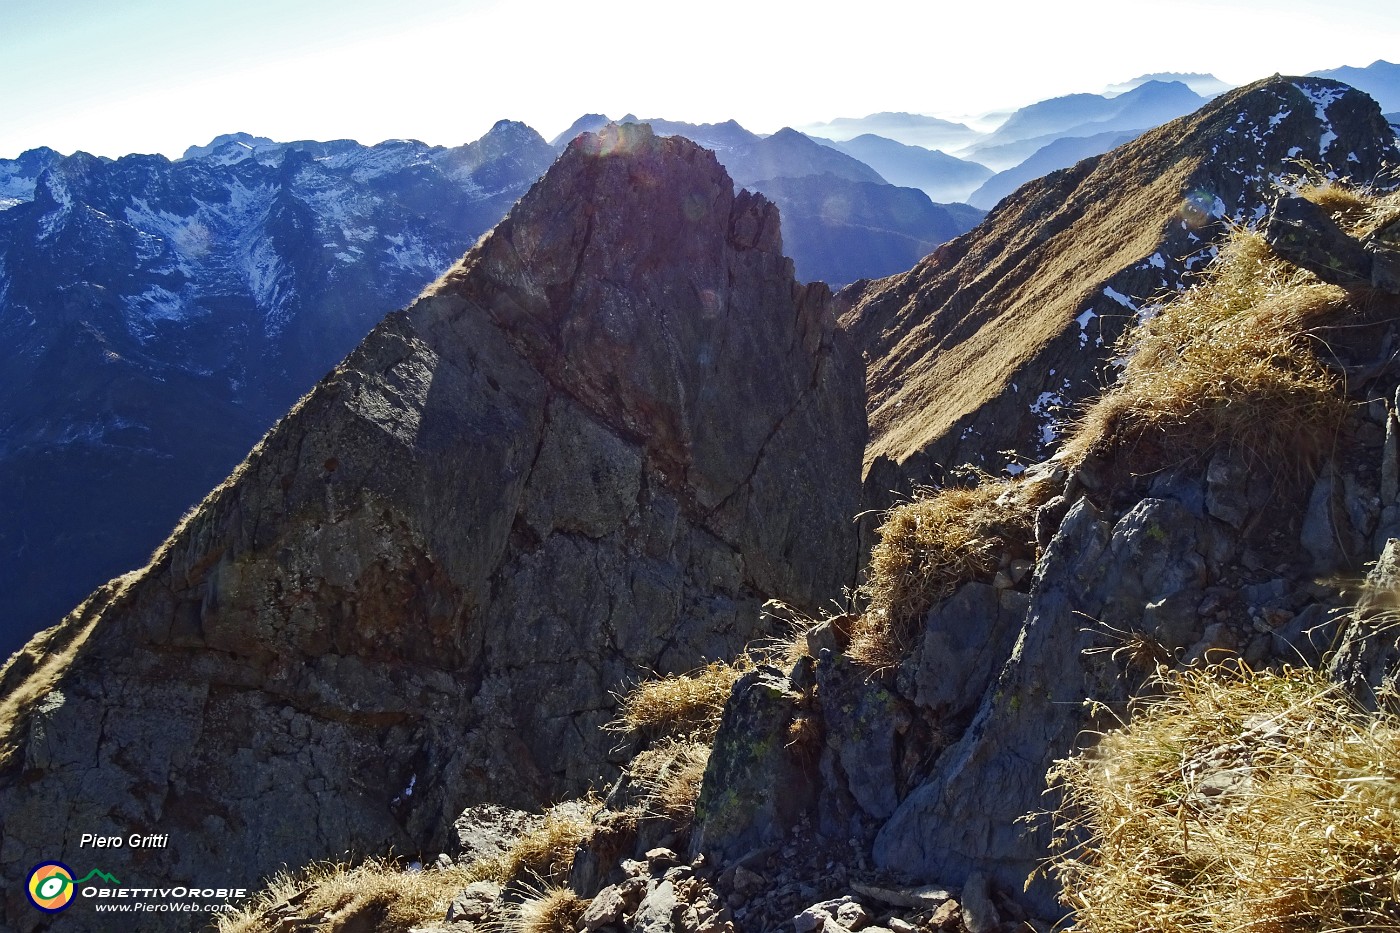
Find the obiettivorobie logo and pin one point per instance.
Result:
(51, 885)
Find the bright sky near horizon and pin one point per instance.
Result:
(118, 76)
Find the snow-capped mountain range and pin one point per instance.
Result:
(157, 315)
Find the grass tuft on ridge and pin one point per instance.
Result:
(929, 547)
(1239, 801)
(1227, 364)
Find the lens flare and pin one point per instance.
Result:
(1197, 209)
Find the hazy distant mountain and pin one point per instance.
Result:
(1150, 104)
(1380, 79)
(1207, 85)
(941, 176)
(789, 154)
(238, 145)
(588, 123)
(1061, 153)
(912, 129)
(853, 230)
(717, 136)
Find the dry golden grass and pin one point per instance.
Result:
(546, 854)
(553, 910)
(1228, 364)
(1359, 209)
(681, 705)
(928, 548)
(1240, 801)
(378, 894)
(668, 776)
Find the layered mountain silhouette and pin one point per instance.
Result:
(163, 314)
(1030, 128)
(991, 340)
(1207, 85)
(912, 129)
(594, 448)
(1060, 153)
(942, 177)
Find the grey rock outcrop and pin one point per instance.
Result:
(754, 789)
(593, 449)
(1367, 661)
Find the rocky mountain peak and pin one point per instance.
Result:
(593, 449)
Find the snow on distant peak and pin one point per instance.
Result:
(1322, 97)
(57, 188)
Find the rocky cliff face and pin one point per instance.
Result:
(991, 340)
(158, 316)
(593, 449)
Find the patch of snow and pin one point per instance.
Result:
(1087, 315)
(414, 255)
(15, 187)
(1015, 469)
(53, 220)
(1322, 98)
(1111, 292)
(1156, 261)
(269, 282)
(157, 304)
(1278, 118)
(1046, 407)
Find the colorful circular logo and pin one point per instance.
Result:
(50, 886)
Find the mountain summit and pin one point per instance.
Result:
(990, 340)
(594, 448)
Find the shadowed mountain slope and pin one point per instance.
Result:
(159, 316)
(593, 449)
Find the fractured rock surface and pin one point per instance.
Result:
(593, 449)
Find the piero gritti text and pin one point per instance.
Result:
(134, 841)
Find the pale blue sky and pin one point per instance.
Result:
(117, 76)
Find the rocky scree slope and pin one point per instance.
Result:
(593, 449)
(988, 343)
(159, 316)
